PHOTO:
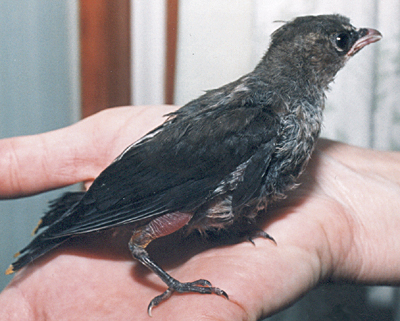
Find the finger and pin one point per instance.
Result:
(37, 163)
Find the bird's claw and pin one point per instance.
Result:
(158, 299)
(200, 286)
(260, 233)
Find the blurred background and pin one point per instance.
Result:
(63, 60)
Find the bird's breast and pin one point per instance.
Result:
(299, 132)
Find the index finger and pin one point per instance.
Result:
(77, 153)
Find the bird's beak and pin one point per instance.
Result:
(366, 36)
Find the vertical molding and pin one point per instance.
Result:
(171, 38)
(148, 51)
(105, 54)
(72, 25)
(374, 83)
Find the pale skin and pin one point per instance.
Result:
(341, 224)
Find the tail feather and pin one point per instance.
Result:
(42, 244)
(34, 250)
(57, 209)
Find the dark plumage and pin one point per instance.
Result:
(219, 159)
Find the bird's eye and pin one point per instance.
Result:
(342, 41)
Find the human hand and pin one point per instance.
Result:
(340, 224)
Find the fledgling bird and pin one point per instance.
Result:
(221, 158)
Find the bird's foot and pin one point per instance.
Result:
(199, 286)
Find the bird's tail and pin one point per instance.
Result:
(42, 244)
(34, 250)
(57, 208)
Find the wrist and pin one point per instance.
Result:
(366, 184)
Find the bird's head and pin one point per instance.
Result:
(317, 47)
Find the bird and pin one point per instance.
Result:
(218, 161)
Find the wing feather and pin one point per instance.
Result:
(176, 169)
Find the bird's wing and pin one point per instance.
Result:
(253, 174)
(176, 168)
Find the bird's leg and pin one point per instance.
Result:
(156, 228)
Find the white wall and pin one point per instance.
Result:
(214, 45)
